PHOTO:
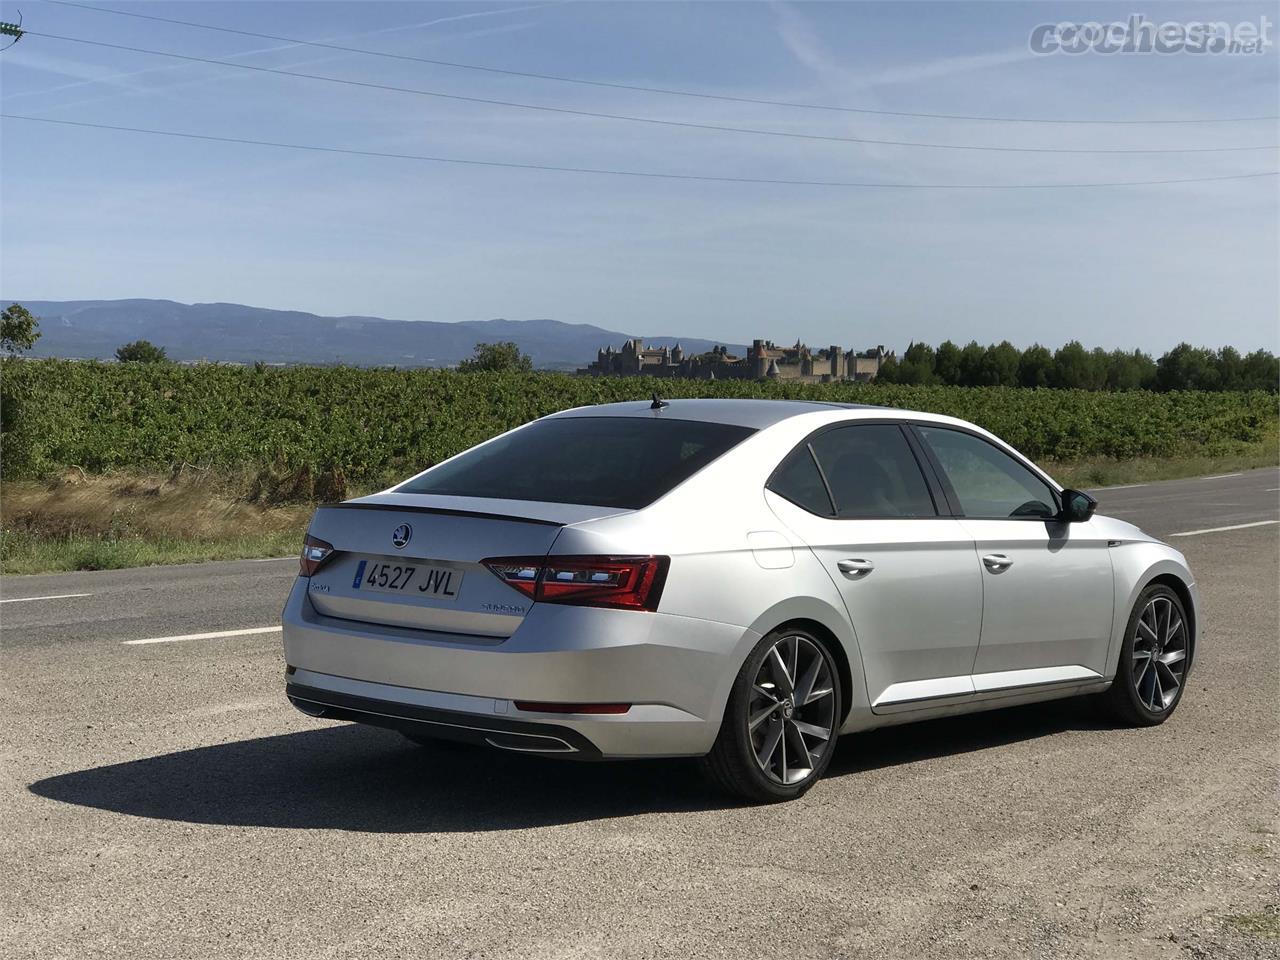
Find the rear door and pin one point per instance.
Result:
(415, 561)
(857, 496)
(1048, 586)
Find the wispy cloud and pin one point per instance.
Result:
(806, 44)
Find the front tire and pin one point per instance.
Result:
(781, 721)
(1153, 661)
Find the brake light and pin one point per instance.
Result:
(315, 553)
(623, 583)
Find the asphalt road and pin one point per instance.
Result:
(163, 800)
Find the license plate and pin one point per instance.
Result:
(408, 579)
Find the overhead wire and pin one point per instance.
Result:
(641, 88)
(685, 124)
(648, 174)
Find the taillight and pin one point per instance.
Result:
(624, 583)
(315, 552)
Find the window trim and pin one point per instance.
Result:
(944, 482)
(937, 495)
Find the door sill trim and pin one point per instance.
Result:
(921, 694)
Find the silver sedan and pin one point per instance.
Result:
(738, 580)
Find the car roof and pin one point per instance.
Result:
(757, 414)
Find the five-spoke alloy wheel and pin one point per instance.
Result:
(781, 721)
(1154, 660)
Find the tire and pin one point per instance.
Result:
(762, 719)
(1154, 657)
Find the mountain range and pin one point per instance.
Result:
(89, 329)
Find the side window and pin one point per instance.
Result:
(988, 482)
(872, 472)
(798, 480)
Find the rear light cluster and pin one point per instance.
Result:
(623, 583)
(315, 553)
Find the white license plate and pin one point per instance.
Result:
(408, 578)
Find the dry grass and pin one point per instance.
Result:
(79, 522)
(93, 522)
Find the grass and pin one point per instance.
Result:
(99, 522)
(1264, 923)
(1100, 472)
(80, 522)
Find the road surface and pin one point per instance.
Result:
(162, 799)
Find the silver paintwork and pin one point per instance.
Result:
(932, 617)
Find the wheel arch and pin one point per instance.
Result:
(1139, 565)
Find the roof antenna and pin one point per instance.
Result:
(658, 402)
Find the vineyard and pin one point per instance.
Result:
(365, 427)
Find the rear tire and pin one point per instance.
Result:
(780, 724)
(1152, 671)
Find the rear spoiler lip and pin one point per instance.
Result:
(447, 511)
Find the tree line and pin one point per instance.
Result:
(1072, 366)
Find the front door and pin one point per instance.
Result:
(909, 578)
(1048, 588)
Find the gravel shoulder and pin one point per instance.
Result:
(165, 801)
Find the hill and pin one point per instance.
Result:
(88, 329)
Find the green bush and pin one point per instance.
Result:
(336, 427)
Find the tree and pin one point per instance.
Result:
(1188, 368)
(1035, 366)
(889, 372)
(19, 330)
(1261, 371)
(141, 351)
(504, 357)
(916, 365)
(999, 366)
(946, 363)
(971, 364)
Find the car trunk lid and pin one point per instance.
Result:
(415, 560)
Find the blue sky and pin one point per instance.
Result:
(100, 214)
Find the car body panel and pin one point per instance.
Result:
(743, 562)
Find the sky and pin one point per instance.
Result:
(99, 214)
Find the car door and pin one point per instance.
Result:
(856, 494)
(1048, 588)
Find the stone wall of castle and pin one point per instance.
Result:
(765, 360)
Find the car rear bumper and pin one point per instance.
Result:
(675, 672)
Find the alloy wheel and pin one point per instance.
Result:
(1159, 654)
(791, 712)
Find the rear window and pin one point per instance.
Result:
(625, 462)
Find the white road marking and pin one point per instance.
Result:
(1273, 489)
(1223, 476)
(1123, 486)
(56, 596)
(1234, 526)
(271, 559)
(204, 636)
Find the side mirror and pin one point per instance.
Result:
(1077, 506)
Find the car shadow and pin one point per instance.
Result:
(352, 777)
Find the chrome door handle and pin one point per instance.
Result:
(854, 569)
(997, 562)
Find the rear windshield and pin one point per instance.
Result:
(625, 462)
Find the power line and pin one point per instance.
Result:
(667, 91)
(627, 118)
(649, 174)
